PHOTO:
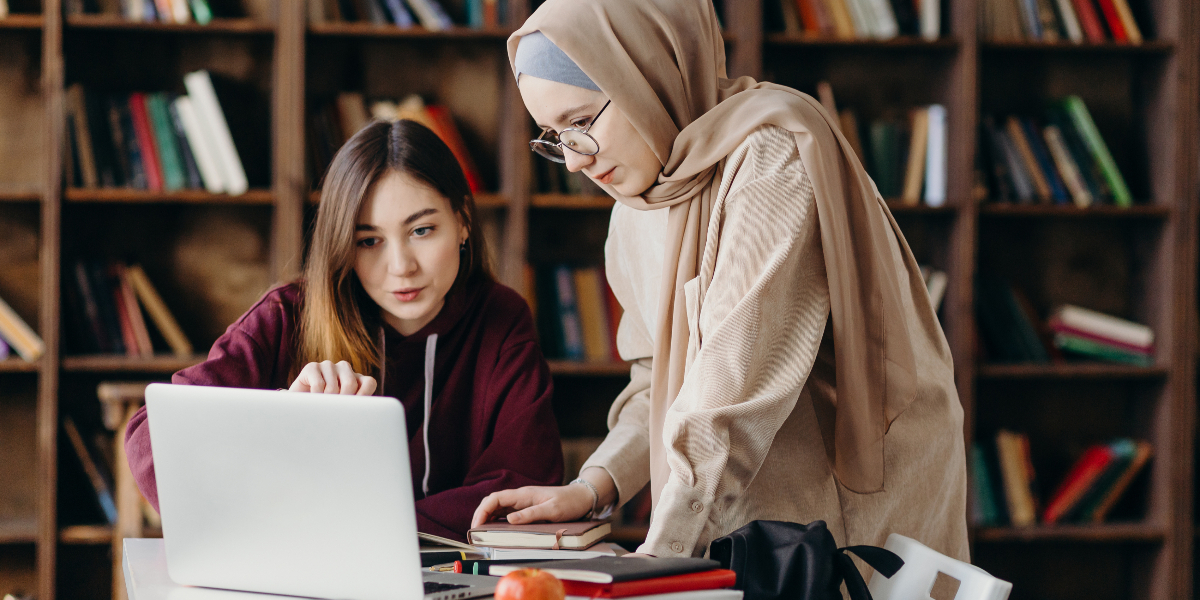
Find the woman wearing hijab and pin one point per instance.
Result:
(788, 364)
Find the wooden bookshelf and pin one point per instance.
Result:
(1155, 85)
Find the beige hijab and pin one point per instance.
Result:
(663, 63)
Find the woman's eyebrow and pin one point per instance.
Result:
(420, 213)
(567, 113)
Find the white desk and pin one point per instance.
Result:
(144, 562)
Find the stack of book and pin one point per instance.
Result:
(577, 314)
(17, 335)
(906, 157)
(172, 11)
(850, 19)
(614, 577)
(160, 141)
(102, 302)
(1004, 488)
(430, 14)
(336, 121)
(1076, 21)
(1061, 160)
(1104, 337)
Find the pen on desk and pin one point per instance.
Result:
(474, 567)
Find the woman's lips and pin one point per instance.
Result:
(607, 177)
(407, 295)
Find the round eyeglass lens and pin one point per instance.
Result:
(547, 150)
(579, 142)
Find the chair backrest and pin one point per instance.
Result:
(928, 574)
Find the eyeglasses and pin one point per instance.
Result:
(575, 140)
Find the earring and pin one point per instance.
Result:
(462, 247)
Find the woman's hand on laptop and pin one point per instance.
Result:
(555, 504)
(329, 378)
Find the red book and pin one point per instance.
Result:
(1059, 327)
(808, 16)
(127, 333)
(1089, 20)
(445, 129)
(614, 318)
(1114, 21)
(145, 138)
(1078, 481)
(688, 582)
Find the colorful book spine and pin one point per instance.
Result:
(935, 155)
(1091, 135)
(174, 172)
(146, 144)
(1101, 351)
(19, 335)
(568, 313)
(1072, 178)
(1109, 10)
(1089, 20)
(1082, 477)
(216, 129)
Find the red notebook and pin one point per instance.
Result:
(687, 582)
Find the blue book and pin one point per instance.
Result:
(475, 14)
(568, 313)
(400, 15)
(1032, 22)
(4, 351)
(1058, 190)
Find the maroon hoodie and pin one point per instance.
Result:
(491, 426)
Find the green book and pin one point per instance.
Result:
(1091, 136)
(982, 480)
(1079, 345)
(174, 174)
(201, 11)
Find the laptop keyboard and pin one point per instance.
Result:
(433, 587)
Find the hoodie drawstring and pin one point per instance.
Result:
(430, 351)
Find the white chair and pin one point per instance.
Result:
(930, 574)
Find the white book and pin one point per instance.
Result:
(883, 21)
(202, 147)
(1070, 21)
(19, 335)
(1072, 178)
(180, 12)
(936, 285)
(858, 15)
(3, 8)
(935, 155)
(426, 14)
(208, 108)
(931, 19)
(1107, 326)
(539, 554)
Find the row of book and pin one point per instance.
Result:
(1076, 21)
(576, 313)
(850, 19)
(156, 141)
(105, 303)
(1005, 490)
(905, 156)
(172, 11)
(434, 15)
(335, 121)
(95, 457)
(1061, 160)
(1012, 331)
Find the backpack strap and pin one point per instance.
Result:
(886, 562)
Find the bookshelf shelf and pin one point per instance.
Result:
(1138, 211)
(216, 26)
(1146, 48)
(19, 196)
(18, 531)
(370, 30)
(17, 365)
(86, 535)
(584, 369)
(104, 363)
(132, 196)
(945, 44)
(21, 21)
(572, 202)
(1110, 533)
(1069, 371)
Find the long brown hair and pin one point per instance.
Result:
(339, 321)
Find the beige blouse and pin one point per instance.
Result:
(742, 437)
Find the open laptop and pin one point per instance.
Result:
(291, 493)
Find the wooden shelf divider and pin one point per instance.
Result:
(116, 363)
(216, 26)
(1106, 533)
(132, 196)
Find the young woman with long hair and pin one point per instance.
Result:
(788, 364)
(397, 299)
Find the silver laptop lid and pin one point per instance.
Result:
(287, 493)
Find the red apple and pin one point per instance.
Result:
(529, 584)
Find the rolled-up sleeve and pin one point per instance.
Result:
(760, 327)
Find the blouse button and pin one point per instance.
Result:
(696, 506)
(676, 547)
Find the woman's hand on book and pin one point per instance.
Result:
(531, 504)
(329, 378)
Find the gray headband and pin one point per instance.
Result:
(539, 57)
